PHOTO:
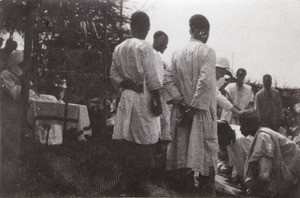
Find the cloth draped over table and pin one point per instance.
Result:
(42, 113)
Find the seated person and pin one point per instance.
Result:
(230, 137)
(13, 79)
(273, 162)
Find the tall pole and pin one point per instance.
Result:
(232, 61)
(121, 13)
(106, 77)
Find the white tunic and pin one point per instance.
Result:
(240, 97)
(192, 77)
(164, 118)
(133, 60)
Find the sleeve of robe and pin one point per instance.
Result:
(172, 92)
(205, 76)
(147, 57)
(257, 104)
(279, 106)
(114, 75)
(223, 102)
(13, 88)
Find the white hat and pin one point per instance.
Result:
(15, 58)
(223, 63)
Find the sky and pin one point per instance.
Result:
(262, 36)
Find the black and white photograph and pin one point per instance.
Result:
(150, 98)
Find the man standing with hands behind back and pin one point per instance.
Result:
(190, 83)
(133, 70)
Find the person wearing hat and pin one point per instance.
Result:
(240, 95)
(12, 108)
(222, 69)
(190, 84)
(227, 154)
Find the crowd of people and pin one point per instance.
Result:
(190, 89)
(173, 108)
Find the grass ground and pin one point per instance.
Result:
(86, 170)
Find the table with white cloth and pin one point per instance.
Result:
(49, 119)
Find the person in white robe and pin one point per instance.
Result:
(240, 95)
(190, 83)
(272, 166)
(133, 70)
(160, 43)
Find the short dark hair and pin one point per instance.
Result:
(199, 21)
(267, 76)
(241, 70)
(159, 34)
(226, 134)
(140, 21)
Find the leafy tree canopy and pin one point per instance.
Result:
(68, 35)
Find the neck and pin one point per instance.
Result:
(138, 35)
(197, 38)
(154, 47)
(239, 84)
(256, 130)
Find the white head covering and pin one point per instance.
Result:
(14, 59)
(223, 63)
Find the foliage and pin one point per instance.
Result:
(68, 35)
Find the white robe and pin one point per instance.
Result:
(240, 97)
(192, 77)
(133, 60)
(164, 118)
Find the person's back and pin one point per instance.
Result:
(133, 70)
(187, 64)
(129, 55)
(191, 88)
(132, 61)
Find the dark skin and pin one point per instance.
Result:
(155, 101)
(249, 126)
(200, 34)
(140, 34)
(240, 77)
(220, 72)
(267, 81)
(160, 44)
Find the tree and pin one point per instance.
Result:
(61, 34)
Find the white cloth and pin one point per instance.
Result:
(222, 101)
(133, 60)
(238, 151)
(13, 85)
(42, 113)
(192, 77)
(240, 97)
(164, 118)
